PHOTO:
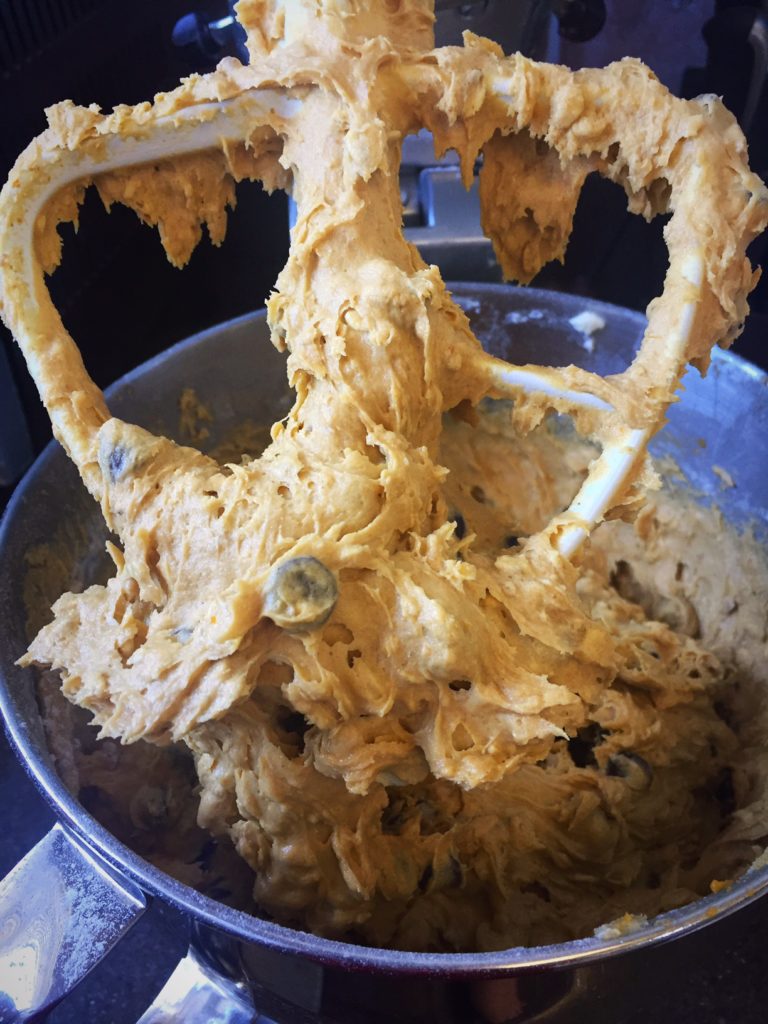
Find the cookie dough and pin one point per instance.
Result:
(448, 735)
(657, 791)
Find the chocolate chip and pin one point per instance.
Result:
(116, 462)
(537, 889)
(631, 767)
(622, 579)
(426, 877)
(460, 684)
(459, 525)
(449, 875)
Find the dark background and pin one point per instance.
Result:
(123, 302)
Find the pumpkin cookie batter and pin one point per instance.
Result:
(657, 793)
(384, 695)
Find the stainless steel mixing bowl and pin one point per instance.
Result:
(78, 891)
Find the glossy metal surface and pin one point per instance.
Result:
(235, 371)
(194, 995)
(61, 911)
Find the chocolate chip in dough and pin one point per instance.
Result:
(117, 461)
(456, 869)
(457, 685)
(631, 767)
(535, 888)
(426, 878)
(459, 525)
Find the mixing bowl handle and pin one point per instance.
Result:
(61, 911)
(197, 994)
